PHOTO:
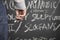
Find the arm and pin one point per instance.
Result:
(20, 9)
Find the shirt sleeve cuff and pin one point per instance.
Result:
(19, 5)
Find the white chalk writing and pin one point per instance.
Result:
(41, 27)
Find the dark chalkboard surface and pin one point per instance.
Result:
(42, 21)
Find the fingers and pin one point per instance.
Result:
(20, 14)
(19, 17)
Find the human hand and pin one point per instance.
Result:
(20, 14)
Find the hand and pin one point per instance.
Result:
(20, 14)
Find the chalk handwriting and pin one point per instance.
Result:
(9, 5)
(40, 4)
(11, 17)
(11, 28)
(44, 17)
(26, 16)
(41, 27)
(18, 27)
(35, 38)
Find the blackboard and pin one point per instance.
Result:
(42, 21)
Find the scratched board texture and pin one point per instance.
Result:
(42, 21)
